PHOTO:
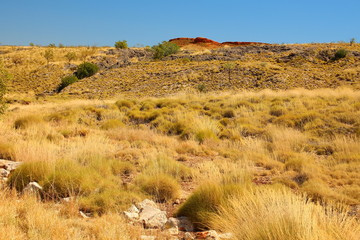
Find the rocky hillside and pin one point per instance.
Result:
(134, 72)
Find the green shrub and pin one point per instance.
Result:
(341, 53)
(207, 200)
(162, 187)
(86, 69)
(121, 44)
(164, 49)
(66, 81)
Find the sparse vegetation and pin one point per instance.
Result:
(341, 53)
(70, 56)
(164, 49)
(66, 81)
(284, 160)
(86, 69)
(121, 44)
(49, 55)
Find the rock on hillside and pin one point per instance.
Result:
(208, 43)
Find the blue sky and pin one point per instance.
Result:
(150, 22)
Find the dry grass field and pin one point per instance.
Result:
(259, 158)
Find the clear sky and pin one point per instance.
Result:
(80, 22)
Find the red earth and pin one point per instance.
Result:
(208, 43)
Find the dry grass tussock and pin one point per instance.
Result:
(276, 213)
(206, 148)
(27, 218)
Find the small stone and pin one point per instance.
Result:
(153, 217)
(185, 224)
(172, 231)
(83, 215)
(66, 200)
(189, 236)
(4, 173)
(32, 187)
(133, 209)
(146, 202)
(208, 235)
(171, 222)
(226, 236)
(131, 216)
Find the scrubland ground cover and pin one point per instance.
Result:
(262, 165)
(259, 163)
(134, 72)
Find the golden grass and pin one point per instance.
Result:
(100, 151)
(277, 213)
(27, 218)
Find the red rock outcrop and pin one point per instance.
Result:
(205, 42)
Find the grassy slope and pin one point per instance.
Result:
(280, 67)
(305, 140)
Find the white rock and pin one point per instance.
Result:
(171, 223)
(172, 231)
(66, 200)
(183, 224)
(32, 187)
(133, 209)
(83, 215)
(145, 203)
(213, 235)
(189, 236)
(152, 217)
(131, 216)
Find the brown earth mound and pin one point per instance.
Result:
(208, 43)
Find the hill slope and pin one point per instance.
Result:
(132, 71)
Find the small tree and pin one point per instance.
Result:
(31, 44)
(341, 53)
(52, 45)
(164, 49)
(66, 81)
(49, 55)
(229, 66)
(352, 41)
(121, 44)
(70, 56)
(86, 69)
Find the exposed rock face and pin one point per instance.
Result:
(210, 43)
(152, 217)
